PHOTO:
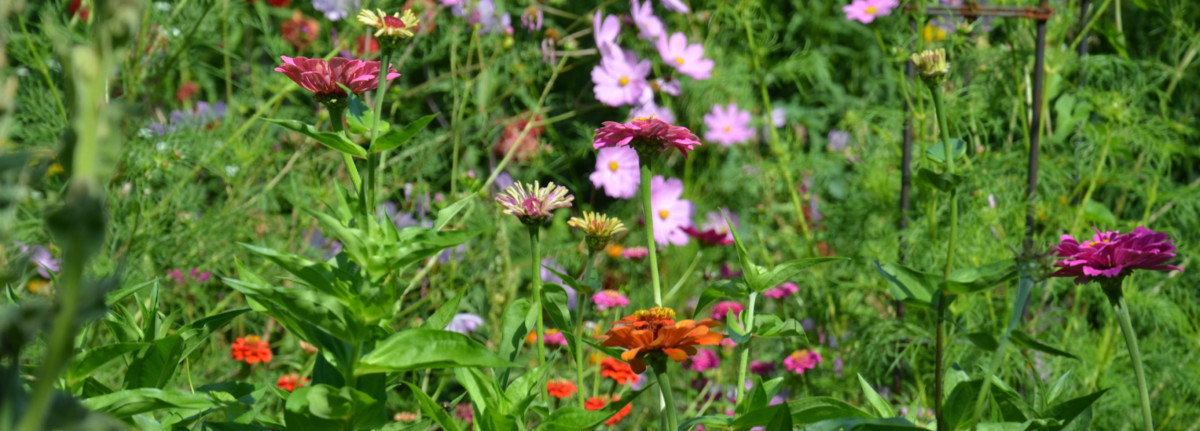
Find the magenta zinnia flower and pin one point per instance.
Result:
(670, 211)
(620, 78)
(708, 237)
(687, 59)
(322, 78)
(645, 135)
(609, 298)
(723, 308)
(865, 11)
(783, 290)
(533, 205)
(704, 360)
(715, 230)
(802, 360)
(617, 172)
(728, 126)
(1113, 255)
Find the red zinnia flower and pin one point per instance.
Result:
(1113, 255)
(560, 388)
(654, 331)
(646, 135)
(289, 382)
(597, 403)
(251, 350)
(708, 237)
(619, 371)
(322, 78)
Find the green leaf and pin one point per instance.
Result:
(95, 358)
(865, 424)
(749, 269)
(771, 326)
(446, 214)
(943, 181)
(882, 408)
(937, 152)
(299, 416)
(576, 419)
(960, 405)
(717, 420)
(970, 280)
(816, 409)
(513, 328)
(122, 404)
(296, 308)
(417, 349)
(1098, 214)
(1024, 340)
(984, 341)
(556, 299)
(194, 334)
(395, 138)
(155, 366)
(522, 391)
(430, 408)
(1068, 411)
(789, 271)
(444, 314)
(909, 285)
(336, 141)
(359, 117)
(724, 290)
(314, 274)
(772, 417)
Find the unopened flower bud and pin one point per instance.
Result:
(932, 65)
(598, 229)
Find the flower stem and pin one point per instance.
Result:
(59, 347)
(335, 116)
(650, 244)
(744, 359)
(372, 155)
(580, 305)
(1135, 356)
(664, 386)
(537, 298)
(1024, 289)
(939, 364)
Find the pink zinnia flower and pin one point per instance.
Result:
(617, 172)
(645, 135)
(728, 126)
(865, 11)
(635, 252)
(670, 211)
(687, 59)
(802, 360)
(554, 338)
(725, 307)
(704, 360)
(533, 204)
(783, 290)
(322, 78)
(609, 298)
(649, 26)
(1112, 255)
(606, 30)
(620, 78)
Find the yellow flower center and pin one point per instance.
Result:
(612, 166)
(679, 60)
(799, 355)
(253, 339)
(728, 128)
(654, 314)
(663, 214)
(623, 81)
(871, 10)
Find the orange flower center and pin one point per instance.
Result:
(253, 339)
(728, 128)
(612, 166)
(800, 355)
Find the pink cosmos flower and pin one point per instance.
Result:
(645, 134)
(668, 85)
(687, 59)
(609, 298)
(723, 308)
(801, 361)
(676, 5)
(322, 78)
(620, 78)
(783, 290)
(865, 11)
(617, 172)
(606, 30)
(635, 252)
(649, 26)
(705, 360)
(670, 211)
(728, 126)
(1113, 255)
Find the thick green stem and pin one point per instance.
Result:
(351, 379)
(581, 301)
(335, 117)
(537, 298)
(650, 244)
(1135, 356)
(939, 364)
(744, 359)
(372, 155)
(664, 386)
(61, 342)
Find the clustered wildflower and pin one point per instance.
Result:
(251, 349)
(533, 204)
(598, 229)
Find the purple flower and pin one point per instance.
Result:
(781, 291)
(728, 126)
(1112, 255)
(687, 59)
(40, 257)
(617, 172)
(620, 78)
(335, 10)
(606, 30)
(865, 11)
(838, 139)
(676, 6)
(464, 323)
(837, 366)
(649, 26)
(704, 360)
(531, 19)
(645, 135)
(177, 276)
(723, 308)
(802, 360)
(318, 241)
(670, 211)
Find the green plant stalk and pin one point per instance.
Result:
(1135, 356)
(664, 386)
(335, 116)
(939, 326)
(581, 304)
(650, 244)
(537, 299)
(61, 341)
(372, 155)
(351, 379)
(744, 359)
(1024, 289)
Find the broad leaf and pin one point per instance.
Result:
(882, 408)
(909, 285)
(395, 138)
(418, 349)
(432, 409)
(816, 409)
(336, 141)
(444, 314)
(789, 270)
(122, 404)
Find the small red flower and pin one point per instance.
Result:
(597, 403)
(619, 371)
(279, 3)
(289, 382)
(300, 31)
(251, 350)
(185, 92)
(560, 388)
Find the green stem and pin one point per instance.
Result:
(61, 340)
(939, 364)
(664, 386)
(650, 244)
(581, 301)
(351, 380)
(335, 116)
(1135, 356)
(1024, 290)
(377, 112)
(744, 360)
(537, 298)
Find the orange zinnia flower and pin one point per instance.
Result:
(560, 388)
(655, 330)
(289, 382)
(251, 350)
(618, 371)
(597, 403)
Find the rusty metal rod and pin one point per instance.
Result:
(1035, 131)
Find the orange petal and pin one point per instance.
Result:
(677, 355)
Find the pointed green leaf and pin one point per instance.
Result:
(909, 285)
(336, 141)
(882, 408)
(1024, 340)
(432, 409)
(416, 349)
(395, 138)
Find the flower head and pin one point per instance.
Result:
(606, 30)
(646, 135)
(708, 237)
(597, 228)
(551, 337)
(865, 11)
(39, 257)
(801, 361)
(649, 26)
(532, 18)
(560, 388)
(705, 360)
(675, 5)
(655, 332)
(335, 10)
(1110, 256)
(635, 252)
(251, 349)
(727, 126)
(597, 403)
(300, 30)
(783, 290)
(322, 78)
(687, 59)
(762, 368)
(534, 205)
(617, 172)
(289, 382)
(464, 323)
(932, 65)
(620, 77)
(723, 308)
(390, 28)
(671, 212)
(609, 298)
